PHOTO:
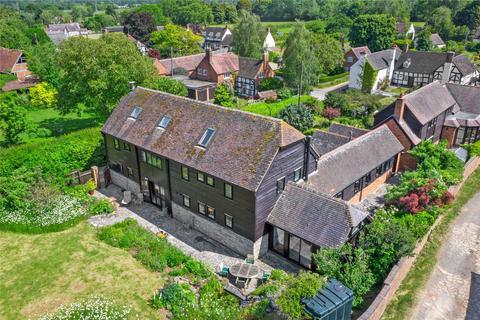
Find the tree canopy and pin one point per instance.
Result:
(96, 73)
(423, 41)
(140, 25)
(182, 41)
(247, 35)
(377, 31)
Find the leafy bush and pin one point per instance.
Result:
(385, 240)
(94, 308)
(271, 84)
(266, 290)
(305, 285)
(473, 149)
(419, 223)
(102, 206)
(224, 96)
(174, 297)
(284, 93)
(336, 100)
(43, 95)
(331, 113)
(278, 274)
(166, 84)
(298, 117)
(259, 310)
(350, 266)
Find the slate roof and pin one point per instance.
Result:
(429, 101)
(214, 30)
(227, 41)
(57, 38)
(240, 152)
(464, 65)
(436, 39)
(315, 217)
(324, 142)
(346, 131)
(8, 58)
(249, 67)
(467, 97)
(421, 61)
(381, 59)
(358, 51)
(113, 29)
(60, 27)
(189, 63)
(343, 166)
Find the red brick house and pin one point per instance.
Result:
(14, 62)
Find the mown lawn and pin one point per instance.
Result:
(38, 273)
(272, 109)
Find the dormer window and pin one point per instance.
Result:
(207, 136)
(407, 63)
(164, 122)
(136, 112)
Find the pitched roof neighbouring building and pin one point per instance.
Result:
(249, 67)
(240, 152)
(324, 142)
(381, 59)
(359, 51)
(343, 166)
(187, 63)
(315, 217)
(436, 39)
(8, 58)
(346, 131)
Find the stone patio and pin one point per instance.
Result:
(190, 241)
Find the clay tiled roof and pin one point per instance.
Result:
(8, 58)
(188, 63)
(249, 67)
(343, 166)
(17, 84)
(240, 152)
(359, 51)
(225, 62)
(314, 216)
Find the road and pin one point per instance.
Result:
(321, 93)
(453, 290)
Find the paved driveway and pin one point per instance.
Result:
(320, 94)
(453, 290)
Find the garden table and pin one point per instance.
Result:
(245, 271)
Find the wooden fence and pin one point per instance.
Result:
(82, 177)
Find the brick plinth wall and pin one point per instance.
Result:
(400, 270)
(370, 188)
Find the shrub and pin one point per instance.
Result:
(43, 95)
(331, 113)
(193, 268)
(174, 297)
(94, 308)
(336, 100)
(279, 275)
(266, 290)
(271, 84)
(259, 310)
(284, 93)
(473, 149)
(350, 266)
(305, 285)
(101, 206)
(224, 96)
(298, 117)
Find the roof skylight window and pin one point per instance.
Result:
(136, 112)
(164, 122)
(207, 136)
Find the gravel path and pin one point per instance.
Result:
(453, 290)
(321, 93)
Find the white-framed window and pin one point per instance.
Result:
(228, 221)
(226, 75)
(202, 208)
(228, 191)
(297, 174)
(280, 185)
(350, 59)
(186, 200)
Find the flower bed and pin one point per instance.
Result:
(93, 308)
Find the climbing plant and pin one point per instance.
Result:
(369, 76)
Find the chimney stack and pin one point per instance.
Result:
(399, 107)
(132, 85)
(406, 47)
(450, 55)
(265, 58)
(209, 54)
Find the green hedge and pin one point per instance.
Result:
(334, 77)
(369, 76)
(56, 156)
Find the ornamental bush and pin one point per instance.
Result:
(271, 84)
(331, 113)
(300, 117)
(93, 308)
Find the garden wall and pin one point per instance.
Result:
(400, 270)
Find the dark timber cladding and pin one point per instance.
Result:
(202, 149)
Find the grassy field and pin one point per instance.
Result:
(38, 273)
(52, 123)
(406, 295)
(272, 109)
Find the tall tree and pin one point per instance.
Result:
(42, 61)
(177, 39)
(423, 41)
(97, 72)
(156, 11)
(247, 35)
(12, 29)
(13, 118)
(441, 21)
(246, 5)
(469, 16)
(297, 56)
(377, 31)
(140, 25)
(327, 53)
(193, 11)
